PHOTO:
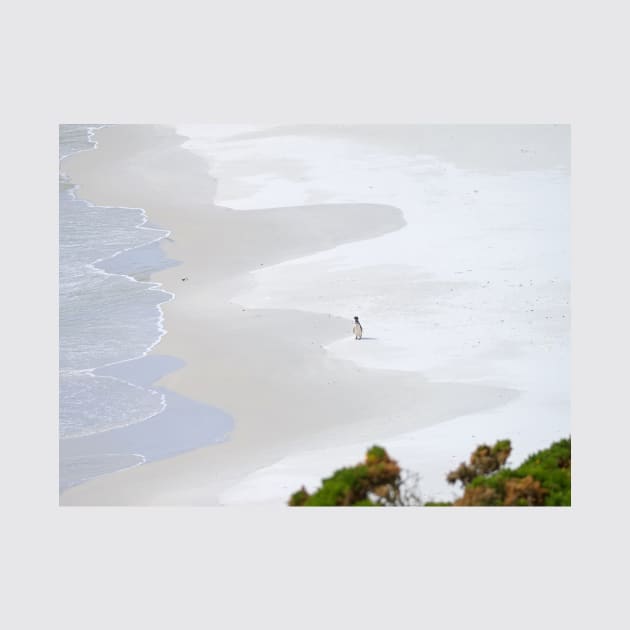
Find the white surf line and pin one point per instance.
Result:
(142, 458)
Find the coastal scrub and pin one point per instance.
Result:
(543, 479)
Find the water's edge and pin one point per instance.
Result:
(111, 415)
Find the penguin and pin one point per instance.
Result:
(357, 329)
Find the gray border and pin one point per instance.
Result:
(319, 62)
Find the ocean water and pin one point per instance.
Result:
(106, 316)
(111, 414)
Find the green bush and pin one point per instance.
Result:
(376, 481)
(544, 478)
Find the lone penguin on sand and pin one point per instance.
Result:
(357, 329)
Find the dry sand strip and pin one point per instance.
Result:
(266, 368)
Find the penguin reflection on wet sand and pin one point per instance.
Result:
(357, 329)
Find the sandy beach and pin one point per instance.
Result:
(277, 265)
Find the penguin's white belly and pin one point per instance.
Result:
(357, 330)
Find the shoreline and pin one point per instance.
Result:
(84, 453)
(151, 284)
(301, 396)
(182, 425)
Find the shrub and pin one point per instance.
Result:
(376, 481)
(544, 478)
(483, 461)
